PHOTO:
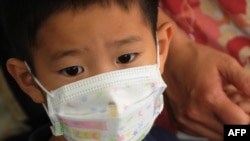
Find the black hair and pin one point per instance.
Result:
(21, 19)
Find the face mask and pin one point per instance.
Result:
(120, 105)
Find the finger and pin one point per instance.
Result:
(236, 98)
(198, 130)
(206, 118)
(216, 100)
(236, 75)
(209, 126)
(230, 90)
(229, 112)
(245, 105)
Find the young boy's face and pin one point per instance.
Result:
(80, 44)
(73, 45)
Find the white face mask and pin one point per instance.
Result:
(120, 105)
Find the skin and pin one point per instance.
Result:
(237, 97)
(197, 77)
(93, 40)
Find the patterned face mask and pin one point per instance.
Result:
(120, 105)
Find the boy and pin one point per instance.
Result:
(94, 65)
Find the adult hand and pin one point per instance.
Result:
(196, 76)
(237, 97)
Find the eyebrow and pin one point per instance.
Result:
(63, 53)
(128, 40)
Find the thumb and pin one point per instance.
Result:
(228, 112)
(236, 75)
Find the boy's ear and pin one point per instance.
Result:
(164, 34)
(20, 73)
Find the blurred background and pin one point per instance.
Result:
(12, 119)
(19, 115)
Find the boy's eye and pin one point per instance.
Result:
(126, 58)
(72, 71)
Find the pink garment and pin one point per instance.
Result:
(221, 24)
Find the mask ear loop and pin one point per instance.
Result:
(45, 90)
(157, 52)
(38, 83)
(35, 79)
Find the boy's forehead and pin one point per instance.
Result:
(113, 20)
(96, 12)
(89, 10)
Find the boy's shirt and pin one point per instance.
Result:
(221, 24)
